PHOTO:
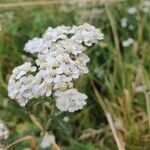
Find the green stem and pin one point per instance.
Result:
(114, 30)
(47, 126)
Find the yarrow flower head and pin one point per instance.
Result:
(61, 61)
(70, 100)
(4, 133)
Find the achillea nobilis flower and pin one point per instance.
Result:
(61, 60)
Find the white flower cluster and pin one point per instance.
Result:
(4, 133)
(70, 100)
(128, 42)
(47, 141)
(60, 61)
(20, 85)
(124, 22)
(146, 6)
(34, 45)
(132, 10)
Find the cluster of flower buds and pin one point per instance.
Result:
(60, 61)
(4, 133)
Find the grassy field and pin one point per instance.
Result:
(117, 115)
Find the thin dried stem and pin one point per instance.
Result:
(109, 118)
(36, 122)
(46, 3)
(27, 4)
(111, 124)
(29, 138)
(147, 98)
(55, 147)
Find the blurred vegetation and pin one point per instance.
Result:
(118, 84)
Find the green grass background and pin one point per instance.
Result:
(115, 73)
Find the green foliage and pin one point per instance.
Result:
(116, 74)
